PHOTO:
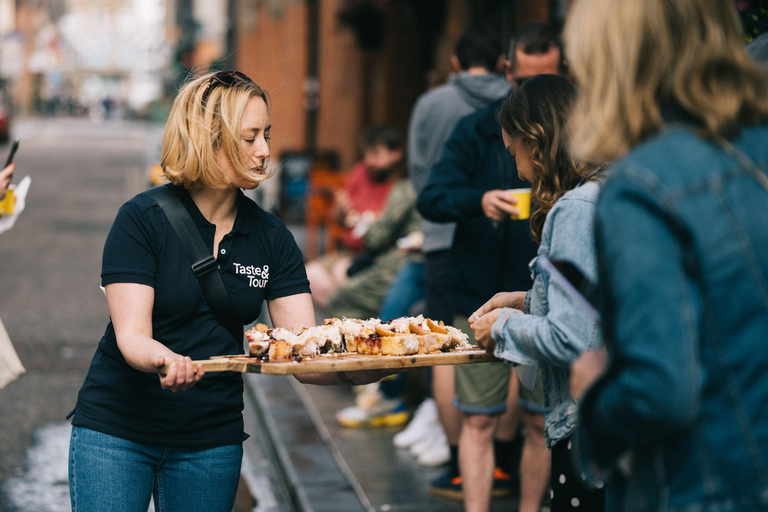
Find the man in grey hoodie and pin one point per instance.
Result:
(478, 56)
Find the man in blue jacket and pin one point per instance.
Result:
(478, 58)
(490, 253)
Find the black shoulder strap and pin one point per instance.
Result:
(204, 266)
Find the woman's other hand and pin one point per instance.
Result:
(500, 300)
(586, 369)
(181, 373)
(482, 328)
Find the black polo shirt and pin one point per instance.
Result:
(258, 260)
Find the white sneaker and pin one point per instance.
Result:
(424, 419)
(426, 442)
(371, 409)
(367, 394)
(437, 453)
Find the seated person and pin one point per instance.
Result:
(358, 205)
(389, 245)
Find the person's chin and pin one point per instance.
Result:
(250, 186)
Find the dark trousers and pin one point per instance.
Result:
(439, 274)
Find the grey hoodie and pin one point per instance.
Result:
(434, 116)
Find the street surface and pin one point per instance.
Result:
(50, 301)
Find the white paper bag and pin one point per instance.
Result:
(10, 365)
(527, 374)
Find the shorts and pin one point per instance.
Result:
(483, 388)
(533, 399)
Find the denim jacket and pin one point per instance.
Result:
(553, 330)
(682, 246)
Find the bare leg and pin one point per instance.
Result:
(510, 420)
(324, 283)
(535, 463)
(443, 391)
(339, 272)
(321, 283)
(476, 460)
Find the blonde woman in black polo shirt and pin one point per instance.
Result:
(178, 436)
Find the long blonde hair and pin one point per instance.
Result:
(636, 59)
(207, 115)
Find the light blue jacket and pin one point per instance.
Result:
(554, 330)
(682, 244)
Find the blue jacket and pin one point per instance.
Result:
(554, 331)
(434, 116)
(682, 245)
(489, 257)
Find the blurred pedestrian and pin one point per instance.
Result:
(668, 94)
(372, 271)
(490, 252)
(357, 206)
(543, 326)
(10, 365)
(478, 55)
(178, 435)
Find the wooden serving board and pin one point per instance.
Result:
(341, 362)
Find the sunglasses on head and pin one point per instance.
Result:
(228, 78)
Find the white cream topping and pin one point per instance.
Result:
(411, 344)
(463, 339)
(322, 335)
(254, 336)
(283, 334)
(355, 327)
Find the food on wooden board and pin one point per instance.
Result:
(398, 337)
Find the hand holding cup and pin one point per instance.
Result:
(522, 201)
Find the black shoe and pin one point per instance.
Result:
(447, 485)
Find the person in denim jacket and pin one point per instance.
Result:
(678, 420)
(550, 329)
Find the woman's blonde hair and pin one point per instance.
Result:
(537, 113)
(637, 60)
(206, 116)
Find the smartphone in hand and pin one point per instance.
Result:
(12, 154)
(7, 197)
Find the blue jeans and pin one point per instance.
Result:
(406, 290)
(110, 473)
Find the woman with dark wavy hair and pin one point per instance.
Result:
(533, 121)
(541, 326)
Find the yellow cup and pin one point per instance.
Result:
(8, 203)
(523, 196)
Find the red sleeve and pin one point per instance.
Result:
(355, 180)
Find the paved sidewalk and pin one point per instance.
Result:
(331, 468)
